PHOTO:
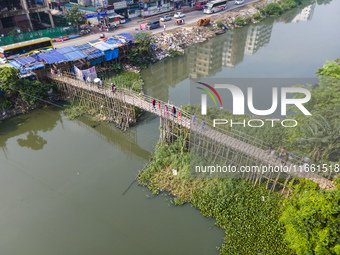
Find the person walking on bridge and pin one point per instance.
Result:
(174, 111)
(154, 104)
(203, 124)
(113, 87)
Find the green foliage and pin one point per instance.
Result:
(9, 79)
(74, 112)
(75, 16)
(14, 32)
(219, 23)
(312, 221)
(6, 104)
(248, 20)
(141, 53)
(287, 4)
(174, 52)
(211, 28)
(273, 9)
(330, 69)
(127, 80)
(116, 67)
(321, 138)
(257, 17)
(239, 21)
(30, 91)
(251, 225)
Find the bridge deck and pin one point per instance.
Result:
(249, 147)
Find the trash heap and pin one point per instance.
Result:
(178, 39)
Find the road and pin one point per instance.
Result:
(133, 26)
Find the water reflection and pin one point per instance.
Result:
(208, 58)
(32, 141)
(125, 142)
(32, 125)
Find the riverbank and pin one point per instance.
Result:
(248, 215)
(171, 42)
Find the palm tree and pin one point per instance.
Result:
(321, 138)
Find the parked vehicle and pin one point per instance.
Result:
(179, 22)
(153, 24)
(203, 22)
(239, 2)
(179, 15)
(215, 6)
(200, 5)
(165, 18)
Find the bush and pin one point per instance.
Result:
(248, 20)
(211, 29)
(273, 9)
(219, 23)
(257, 17)
(287, 4)
(239, 22)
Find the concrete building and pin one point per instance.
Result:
(305, 14)
(258, 36)
(16, 13)
(205, 59)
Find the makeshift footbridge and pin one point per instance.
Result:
(222, 146)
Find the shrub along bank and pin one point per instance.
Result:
(249, 216)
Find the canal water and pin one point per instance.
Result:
(62, 181)
(294, 45)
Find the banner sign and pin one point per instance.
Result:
(95, 15)
(87, 72)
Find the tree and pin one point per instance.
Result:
(273, 9)
(321, 138)
(312, 221)
(239, 21)
(141, 53)
(330, 69)
(75, 16)
(9, 79)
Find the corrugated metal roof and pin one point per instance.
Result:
(72, 53)
(53, 56)
(25, 60)
(90, 51)
(104, 46)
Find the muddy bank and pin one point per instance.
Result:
(184, 36)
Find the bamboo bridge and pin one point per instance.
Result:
(217, 144)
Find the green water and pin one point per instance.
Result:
(61, 192)
(61, 181)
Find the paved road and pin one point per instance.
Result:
(191, 17)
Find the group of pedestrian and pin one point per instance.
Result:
(166, 109)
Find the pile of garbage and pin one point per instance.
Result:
(177, 40)
(180, 38)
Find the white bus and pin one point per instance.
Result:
(215, 6)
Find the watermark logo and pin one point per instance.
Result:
(239, 99)
(204, 97)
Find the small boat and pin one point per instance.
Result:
(220, 32)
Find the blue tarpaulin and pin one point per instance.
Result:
(93, 54)
(25, 60)
(26, 68)
(72, 53)
(53, 56)
(127, 36)
(110, 51)
(15, 64)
